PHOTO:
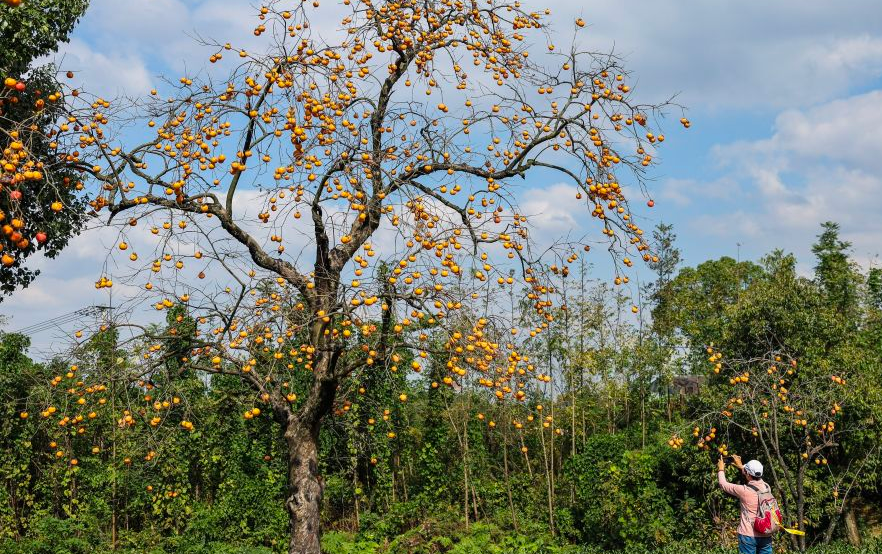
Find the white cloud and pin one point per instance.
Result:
(860, 54)
(843, 131)
(147, 30)
(126, 46)
(719, 54)
(553, 209)
(725, 55)
(819, 164)
(108, 74)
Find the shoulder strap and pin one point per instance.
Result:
(756, 489)
(758, 493)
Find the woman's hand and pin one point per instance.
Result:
(736, 459)
(721, 464)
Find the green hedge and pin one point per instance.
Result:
(56, 536)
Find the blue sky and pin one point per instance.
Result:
(785, 99)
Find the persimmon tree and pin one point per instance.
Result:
(326, 207)
(39, 204)
(788, 380)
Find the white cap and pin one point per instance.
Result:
(754, 468)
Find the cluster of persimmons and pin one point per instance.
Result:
(765, 394)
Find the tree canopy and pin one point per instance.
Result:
(39, 204)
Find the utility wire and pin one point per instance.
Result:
(57, 322)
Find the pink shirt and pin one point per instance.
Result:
(749, 503)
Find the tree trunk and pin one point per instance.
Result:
(851, 526)
(305, 488)
(800, 506)
(465, 472)
(846, 513)
(514, 518)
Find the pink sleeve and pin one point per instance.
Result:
(728, 488)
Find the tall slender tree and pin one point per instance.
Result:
(834, 270)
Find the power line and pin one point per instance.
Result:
(61, 320)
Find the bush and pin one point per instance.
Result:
(347, 543)
(54, 536)
(619, 502)
(244, 514)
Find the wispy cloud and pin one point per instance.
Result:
(685, 192)
(819, 164)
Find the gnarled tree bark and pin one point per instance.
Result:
(305, 488)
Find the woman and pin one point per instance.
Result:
(749, 541)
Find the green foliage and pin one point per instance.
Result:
(691, 548)
(834, 270)
(667, 258)
(433, 538)
(621, 499)
(438, 537)
(58, 183)
(33, 29)
(346, 543)
(874, 286)
(695, 301)
(54, 536)
(27, 32)
(17, 436)
(602, 465)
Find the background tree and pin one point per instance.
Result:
(694, 303)
(667, 258)
(17, 438)
(834, 270)
(792, 384)
(33, 29)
